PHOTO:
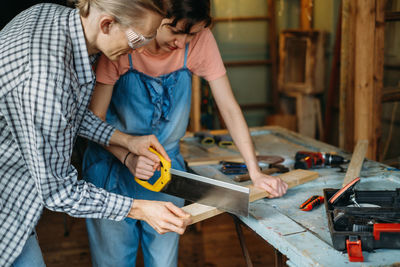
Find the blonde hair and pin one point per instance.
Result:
(124, 11)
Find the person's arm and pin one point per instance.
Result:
(44, 137)
(140, 164)
(236, 124)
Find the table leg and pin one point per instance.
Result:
(242, 241)
(278, 258)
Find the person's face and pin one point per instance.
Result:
(171, 38)
(118, 40)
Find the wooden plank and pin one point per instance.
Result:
(346, 95)
(317, 104)
(365, 109)
(306, 14)
(273, 52)
(332, 93)
(200, 212)
(306, 115)
(357, 159)
(378, 77)
(195, 124)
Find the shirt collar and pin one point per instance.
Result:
(83, 62)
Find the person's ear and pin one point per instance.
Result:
(106, 23)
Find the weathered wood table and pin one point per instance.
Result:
(303, 237)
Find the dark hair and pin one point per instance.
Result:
(192, 11)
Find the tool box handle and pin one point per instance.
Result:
(354, 249)
(164, 178)
(385, 228)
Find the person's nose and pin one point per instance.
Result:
(180, 41)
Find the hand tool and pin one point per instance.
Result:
(309, 159)
(229, 167)
(222, 140)
(273, 168)
(205, 138)
(223, 195)
(311, 203)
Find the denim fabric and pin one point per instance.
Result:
(31, 254)
(140, 105)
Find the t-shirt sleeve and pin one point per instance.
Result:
(108, 71)
(204, 58)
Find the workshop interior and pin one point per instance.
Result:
(318, 82)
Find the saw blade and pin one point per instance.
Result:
(226, 196)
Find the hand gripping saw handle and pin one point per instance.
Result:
(164, 178)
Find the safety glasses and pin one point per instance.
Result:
(136, 40)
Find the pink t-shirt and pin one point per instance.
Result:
(203, 60)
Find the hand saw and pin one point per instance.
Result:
(226, 196)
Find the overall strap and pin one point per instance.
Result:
(130, 61)
(186, 53)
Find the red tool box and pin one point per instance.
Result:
(363, 220)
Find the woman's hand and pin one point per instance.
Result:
(164, 217)
(141, 167)
(139, 145)
(273, 185)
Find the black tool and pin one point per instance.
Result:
(229, 167)
(272, 168)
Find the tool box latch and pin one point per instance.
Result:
(354, 250)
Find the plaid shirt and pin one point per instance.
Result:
(46, 81)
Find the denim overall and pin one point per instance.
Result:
(140, 105)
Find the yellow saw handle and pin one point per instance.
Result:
(164, 178)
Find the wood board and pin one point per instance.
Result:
(353, 171)
(200, 212)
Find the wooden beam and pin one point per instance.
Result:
(379, 54)
(392, 16)
(333, 81)
(369, 37)
(364, 109)
(253, 18)
(195, 114)
(346, 98)
(306, 14)
(361, 73)
(391, 94)
(293, 178)
(357, 159)
(273, 52)
(247, 63)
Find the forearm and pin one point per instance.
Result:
(119, 152)
(119, 138)
(239, 132)
(234, 120)
(94, 129)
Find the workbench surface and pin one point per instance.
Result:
(303, 237)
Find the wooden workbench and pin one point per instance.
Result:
(303, 237)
